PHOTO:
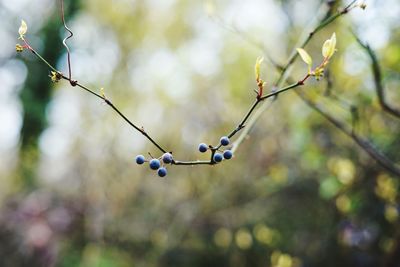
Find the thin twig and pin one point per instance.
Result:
(243, 121)
(195, 162)
(320, 26)
(379, 87)
(282, 76)
(108, 102)
(65, 41)
(219, 20)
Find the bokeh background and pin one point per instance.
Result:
(298, 191)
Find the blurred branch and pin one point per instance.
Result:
(231, 28)
(376, 71)
(366, 145)
(350, 131)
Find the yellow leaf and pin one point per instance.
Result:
(328, 48)
(22, 29)
(257, 67)
(103, 95)
(305, 56)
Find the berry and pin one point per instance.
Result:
(154, 164)
(218, 157)
(140, 159)
(167, 158)
(224, 140)
(228, 154)
(162, 172)
(203, 147)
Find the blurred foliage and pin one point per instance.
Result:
(297, 193)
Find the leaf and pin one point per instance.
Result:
(23, 28)
(305, 56)
(328, 48)
(257, 67)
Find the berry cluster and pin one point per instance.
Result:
(218, 157)
(157, 164)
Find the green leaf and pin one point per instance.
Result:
(305, 56)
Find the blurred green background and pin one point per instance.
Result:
(298, 191)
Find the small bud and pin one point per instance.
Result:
(318, 73)
(103, 95)
(19, 48)
(257, 67)
(22, 29)
(363, 5)
(55, 76)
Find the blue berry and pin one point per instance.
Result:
(140, 159)
(228, 154)
(203, 147)
(218, 157)
(224, 140)
(154, 164)
(167, 158)
(162, 172)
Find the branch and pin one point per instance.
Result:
(107, 101)
(281, 78)
(65, 41)
(362, 142)
(75, 83)
(376, 71)
(214, 149)
(232, 29)
(319, 27)
(260, 98)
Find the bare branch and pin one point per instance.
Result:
(361, 141)
(379, 87)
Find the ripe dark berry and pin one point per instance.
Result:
(167, 158)
(140, 159)
(228, 154)
(218, 157)
(203, 147)
(162, 172)
(224, 140)
(154, 164)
